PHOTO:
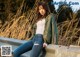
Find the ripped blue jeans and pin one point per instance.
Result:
(35, 45)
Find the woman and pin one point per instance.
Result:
(45, 32)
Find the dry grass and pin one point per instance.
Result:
(20, 27)
(69, 32)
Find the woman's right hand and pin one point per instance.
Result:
(44, 44)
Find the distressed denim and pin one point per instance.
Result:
(35, 45)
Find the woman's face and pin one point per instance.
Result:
(42, 10)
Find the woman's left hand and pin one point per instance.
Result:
(44, 44)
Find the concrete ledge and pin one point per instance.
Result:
(51, 50)
(63, 51)
(12, 41)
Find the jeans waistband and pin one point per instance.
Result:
(38, 35)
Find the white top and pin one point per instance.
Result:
(40, 26)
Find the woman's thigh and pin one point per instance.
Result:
(36, 50)
(37, 47)
(23, 48)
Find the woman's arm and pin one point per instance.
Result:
(54, 31)
(47, 33)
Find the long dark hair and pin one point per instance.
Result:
(45, 6)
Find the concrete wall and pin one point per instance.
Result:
(52, 50)
(63, 51)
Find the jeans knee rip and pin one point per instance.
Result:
(36, 44)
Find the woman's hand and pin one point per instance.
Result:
(44, 44)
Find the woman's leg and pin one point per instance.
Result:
(37, 47)
(43, 52)
(23, 48)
